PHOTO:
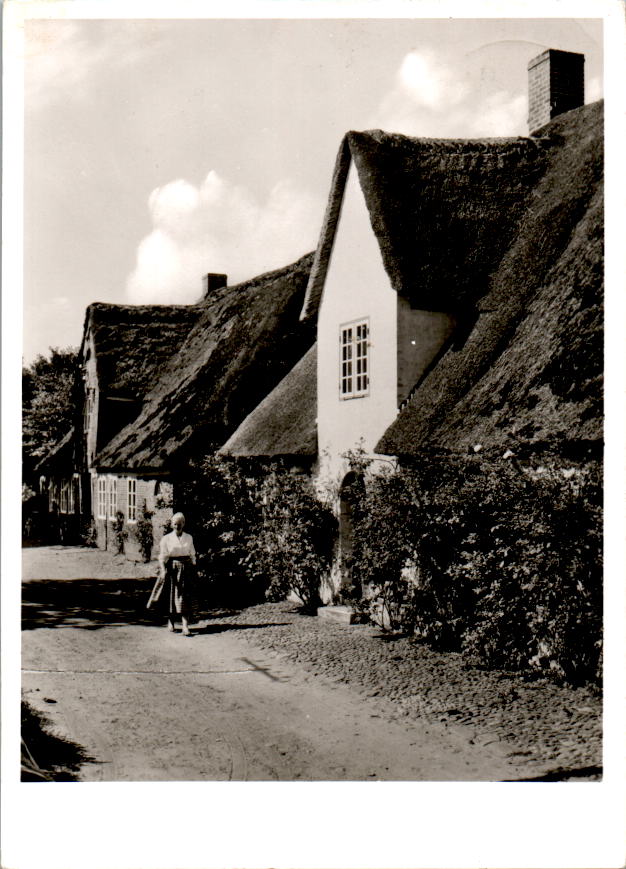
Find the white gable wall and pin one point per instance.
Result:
(356, 287)
(90, 381)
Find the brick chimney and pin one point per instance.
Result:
(212, 282)
(556, 84)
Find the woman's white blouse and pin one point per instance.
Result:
(173, 546)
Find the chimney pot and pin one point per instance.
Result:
(211, 282)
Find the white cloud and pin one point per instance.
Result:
(436, 97)
(218, 227)
(428, 81)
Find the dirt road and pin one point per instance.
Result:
(147, 705)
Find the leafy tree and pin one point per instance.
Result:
(48, 402)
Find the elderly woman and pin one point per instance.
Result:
(174, 585)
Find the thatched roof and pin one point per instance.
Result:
(246, 339)
(284, 424)
(133, 342)
(531, 368)
(443, 211)
(60, 458)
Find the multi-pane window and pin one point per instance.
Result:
(102, 498)
(112, 497)
(354, 379)
(132, 501)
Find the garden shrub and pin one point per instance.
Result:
(293, 545)
(89, 532)
(120, 534)
(145, 532)
(482, 556)
(259, 532)
(220, 504)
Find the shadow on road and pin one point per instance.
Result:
(586, 773)
(91, 604)
(219, 627)
(86, 603)
(45, 755)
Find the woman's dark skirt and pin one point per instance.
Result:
(175, 592)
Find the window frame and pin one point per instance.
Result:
(131, 500)
(112, 497)
(101, 497)
(354, 359)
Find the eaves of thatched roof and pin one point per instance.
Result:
(285, 423)
(246, 339)
(59, 459)
(530, 371)
(443, 211)
(133, 342)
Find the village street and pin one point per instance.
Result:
(236, 702)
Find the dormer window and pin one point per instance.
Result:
(354, 362)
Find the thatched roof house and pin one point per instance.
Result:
(61, 457)
(122, 354)
(443, 210)
(531, 368)
(245, 339)
(133, 342)
(506, 235)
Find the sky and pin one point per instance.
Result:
(158, 150)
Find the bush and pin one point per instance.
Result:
(89, 532)
(145, 532)
(220, 503)
(120, 534)
(482, 556)
(259, 532)
(293, 546)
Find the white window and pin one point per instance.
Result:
(102, 498)
(112, 497)
(132, 501)
(354, 371)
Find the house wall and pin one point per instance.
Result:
(402, 343)
(356, 287)
(157, 496)
(90, 381)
